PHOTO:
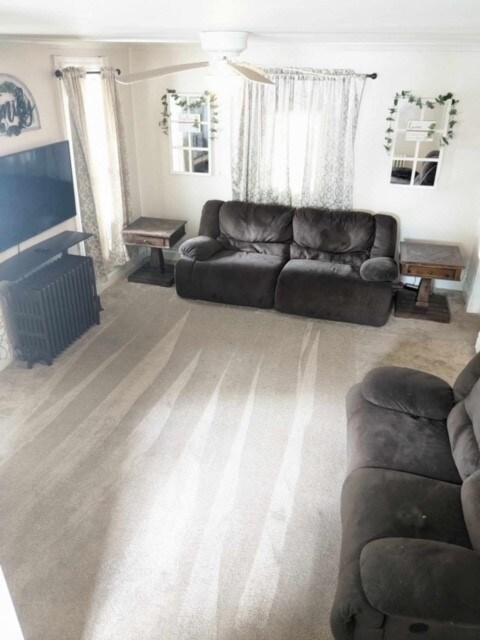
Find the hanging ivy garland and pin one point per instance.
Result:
(185, 105)
(429, 104)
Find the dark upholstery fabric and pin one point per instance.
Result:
(209, 220)
(331, 291)
(408, 390)
(250, 222)
(231, 277)
(382, 503)
(385, 241)
(471, 507)
(354, 259)
(200, 248)
(379, 270)
(401, 578)
(463, 443)
(279, 249)
(467, 378)
(390, 439)
(333, 231)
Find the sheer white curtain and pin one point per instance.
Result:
(293, 143)
(100, 165)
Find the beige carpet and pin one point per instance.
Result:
(176, 474)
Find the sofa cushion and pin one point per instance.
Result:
(464, 432)
(334, 231)
(248, 222)
(464, 445)
(279, 249)
(471, 507)
(355, 259)
(467, 378)
(231, 277)
(390, 439)
(332, 291)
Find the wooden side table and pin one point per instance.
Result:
(156, 233)
(429, 261)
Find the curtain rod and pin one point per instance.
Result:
(59, 73)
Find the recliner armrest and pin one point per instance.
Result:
(408, 390)
(422, 579)
(379, 270)
(200, 248)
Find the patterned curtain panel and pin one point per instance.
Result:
(102, 178)
(293, 143)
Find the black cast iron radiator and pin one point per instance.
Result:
(53, 307)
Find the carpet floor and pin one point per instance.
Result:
(176, 474)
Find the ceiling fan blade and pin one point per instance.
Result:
(250, 73)
(131, 78)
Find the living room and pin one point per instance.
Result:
(177, 471)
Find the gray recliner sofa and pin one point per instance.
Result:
(337, 265)
(410, 558)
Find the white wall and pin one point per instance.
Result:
(447, 213)
(33, 64)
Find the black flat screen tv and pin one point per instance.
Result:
(36, 192)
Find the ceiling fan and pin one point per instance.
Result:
(222, 45)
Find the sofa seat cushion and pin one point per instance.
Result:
(390, 439)
(231, 277)
(383, 503)
(334, 231)
(332, 291)
(279, 249)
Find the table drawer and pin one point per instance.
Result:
(145, 241)
(443, 273)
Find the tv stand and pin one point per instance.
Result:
(52, 298)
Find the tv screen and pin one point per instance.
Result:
(36, 192)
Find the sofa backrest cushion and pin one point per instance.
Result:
(385, 242)
(467, 378)
(471, 508)
(249, 222)
(464, 432)
(354, 259)
(334, 231)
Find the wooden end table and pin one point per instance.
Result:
(156, 233)
(429, 261)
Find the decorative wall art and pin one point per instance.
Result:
(418, 129)
(18, 111)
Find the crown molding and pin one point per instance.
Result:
(175, 41)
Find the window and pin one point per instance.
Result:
(190, 133)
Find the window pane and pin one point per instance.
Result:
(200, 161)
(180, 160)
(202, 109)
(179, 138)
(200, 139)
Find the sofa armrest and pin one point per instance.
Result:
(408, 390)
(200, 248)
(422, 579)
(379, 270)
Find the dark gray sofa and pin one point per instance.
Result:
(410, 558)
(324, 264)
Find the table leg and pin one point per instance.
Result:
(156, 259)
(424, 291)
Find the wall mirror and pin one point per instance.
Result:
(190, 134)
(417, 132)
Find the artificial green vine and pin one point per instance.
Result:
(185, 105)
(439, 100)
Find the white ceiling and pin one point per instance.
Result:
(160, 20)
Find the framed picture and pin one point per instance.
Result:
(18, 111)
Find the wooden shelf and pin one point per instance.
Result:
(27, 261)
